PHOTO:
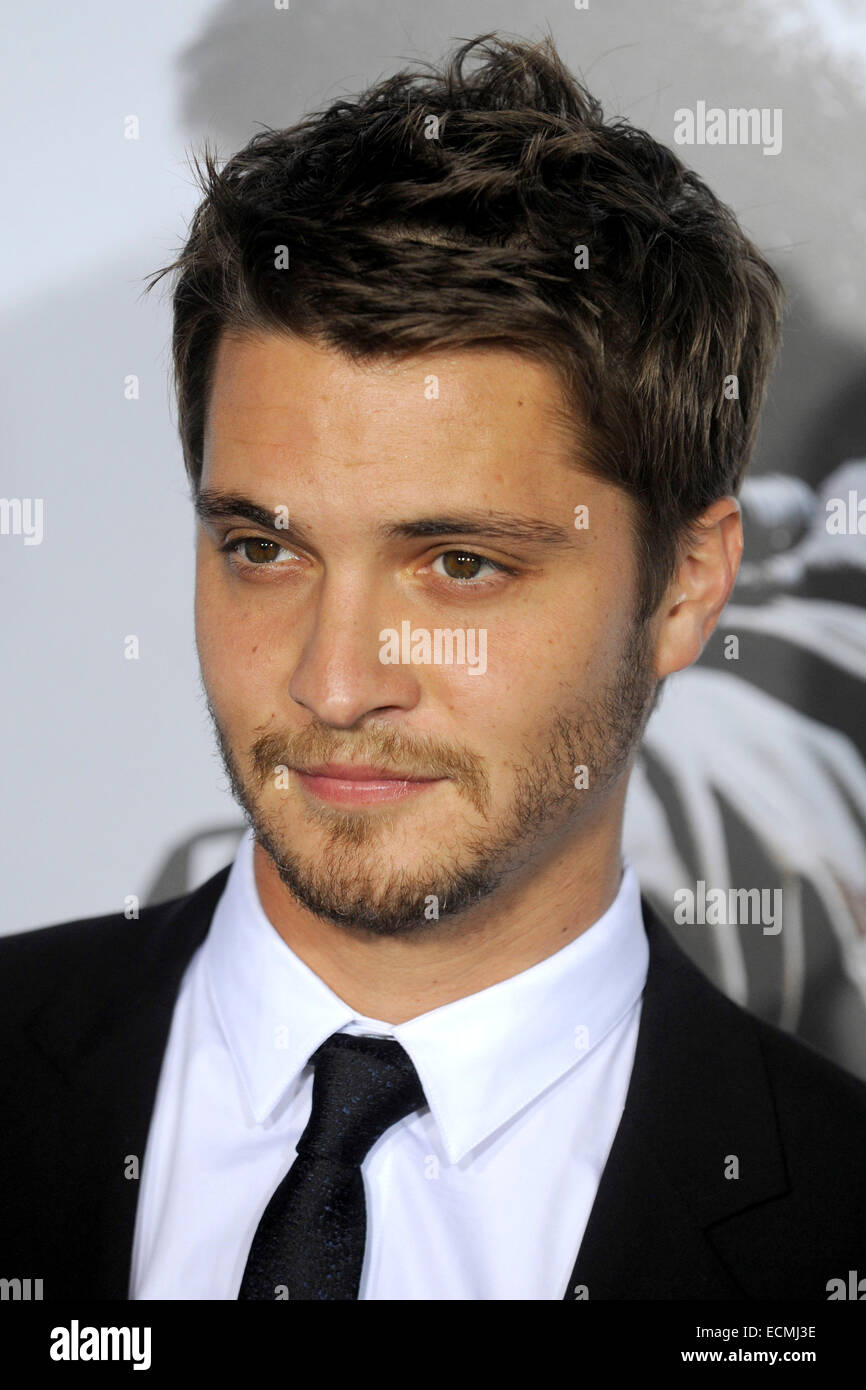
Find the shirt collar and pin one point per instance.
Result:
(480, 1059)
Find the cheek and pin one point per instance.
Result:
(214, 633)
(506, 711)
(541, 671)
(208, 608)
(232, 644)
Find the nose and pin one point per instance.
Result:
(338, 675)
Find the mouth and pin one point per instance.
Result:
(358, 783)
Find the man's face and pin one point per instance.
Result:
(436, 495)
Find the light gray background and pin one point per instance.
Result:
(112, 785)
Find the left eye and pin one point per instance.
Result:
(464, 564)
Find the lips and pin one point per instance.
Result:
(356, 784)
(357, 772)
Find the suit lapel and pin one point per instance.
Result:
(107, 1059)
(698, 1110)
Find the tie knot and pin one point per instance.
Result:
(361, 1086)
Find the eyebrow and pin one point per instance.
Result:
(212, 505)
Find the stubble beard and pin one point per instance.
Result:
(346, 884)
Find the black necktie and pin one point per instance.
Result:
(310, 1241)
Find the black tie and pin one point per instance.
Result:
(310, 1241)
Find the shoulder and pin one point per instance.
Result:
(55, 949)
(820, 1107)
(101, 955)
(762, 1136)
(795, 1120)
(803, 1080)
(813, 1233)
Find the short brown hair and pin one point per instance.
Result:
(407, 233)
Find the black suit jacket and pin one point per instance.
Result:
(85, 1009)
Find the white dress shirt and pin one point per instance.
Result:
(483, 1195)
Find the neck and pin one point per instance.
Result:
(526, 920)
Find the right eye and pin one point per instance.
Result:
(258, 552)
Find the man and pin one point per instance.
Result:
(467, 382)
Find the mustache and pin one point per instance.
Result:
(383, 748)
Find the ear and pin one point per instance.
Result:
(700, 588)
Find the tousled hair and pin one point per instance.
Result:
(444, 209)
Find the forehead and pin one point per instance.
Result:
(276, 398)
